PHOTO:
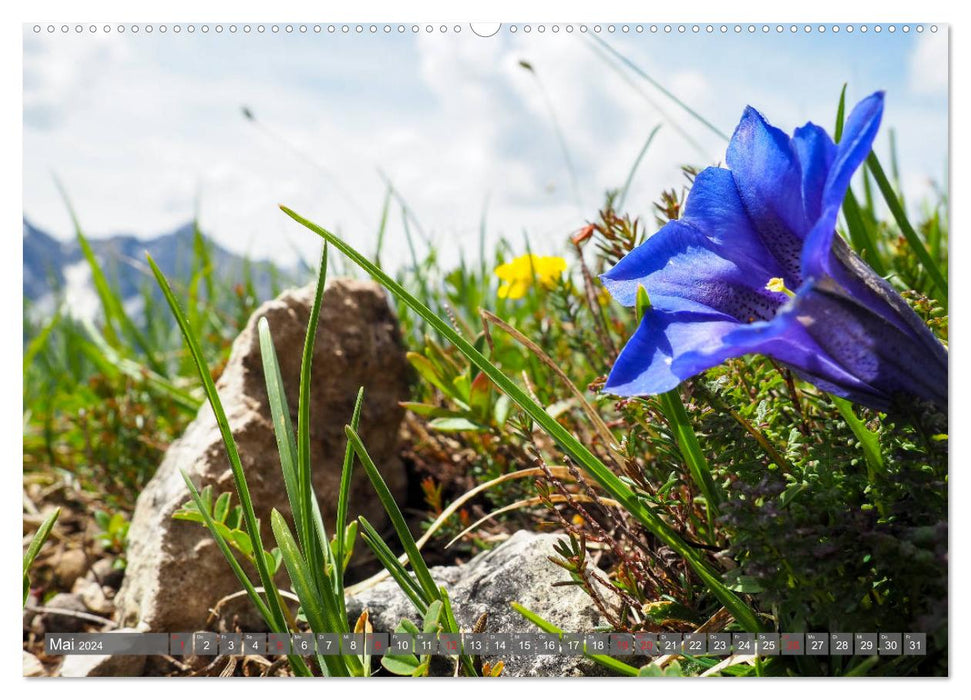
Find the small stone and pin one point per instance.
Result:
(33, 668)
(69, 566)
(93, 597)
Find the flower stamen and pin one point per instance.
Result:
(777, 284)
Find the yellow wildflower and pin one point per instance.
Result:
(517, 275)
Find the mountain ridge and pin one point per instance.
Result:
(54, 268)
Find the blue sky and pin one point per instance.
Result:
(142, 127)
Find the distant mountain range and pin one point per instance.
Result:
(52, 265)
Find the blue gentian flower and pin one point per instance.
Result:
(719, 278)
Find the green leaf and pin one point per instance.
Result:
(429, 373)
(869, 441)
(642, 303)
(427, 410)
(202, 509)
(455, 425)
(401, 665)
(480, 395)
(221, 509)
(609, 481)
(652, 670)
(431, 621)
(406, 626)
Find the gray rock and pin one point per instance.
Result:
(519, 571)
(87, 666)
(175, 571)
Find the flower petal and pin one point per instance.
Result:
(769, 180)
(715, 208)
(786, 340)
(683, 270)
(816, 152)
(871, 346)
(645, 364)
(857, 140)
(858, 134)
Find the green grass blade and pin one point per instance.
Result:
(36, 542)
(394, 513)
(861, 234)
(383, 226)
(698, 467)
(913, 239)
(203, 259)
(607, 662)
(114, 309)
(609, 481)
(406, 582)
(315, 556)
(322, 618)
(840, 116)
(39, 341)
(305, 515)
(343, 499)
(282, 427)
(895, 170)
(452, 626)
(278, 619)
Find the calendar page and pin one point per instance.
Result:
(431, 348)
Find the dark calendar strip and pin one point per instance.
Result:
(533, 644)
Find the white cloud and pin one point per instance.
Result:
(928, 69)
(139, 129)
